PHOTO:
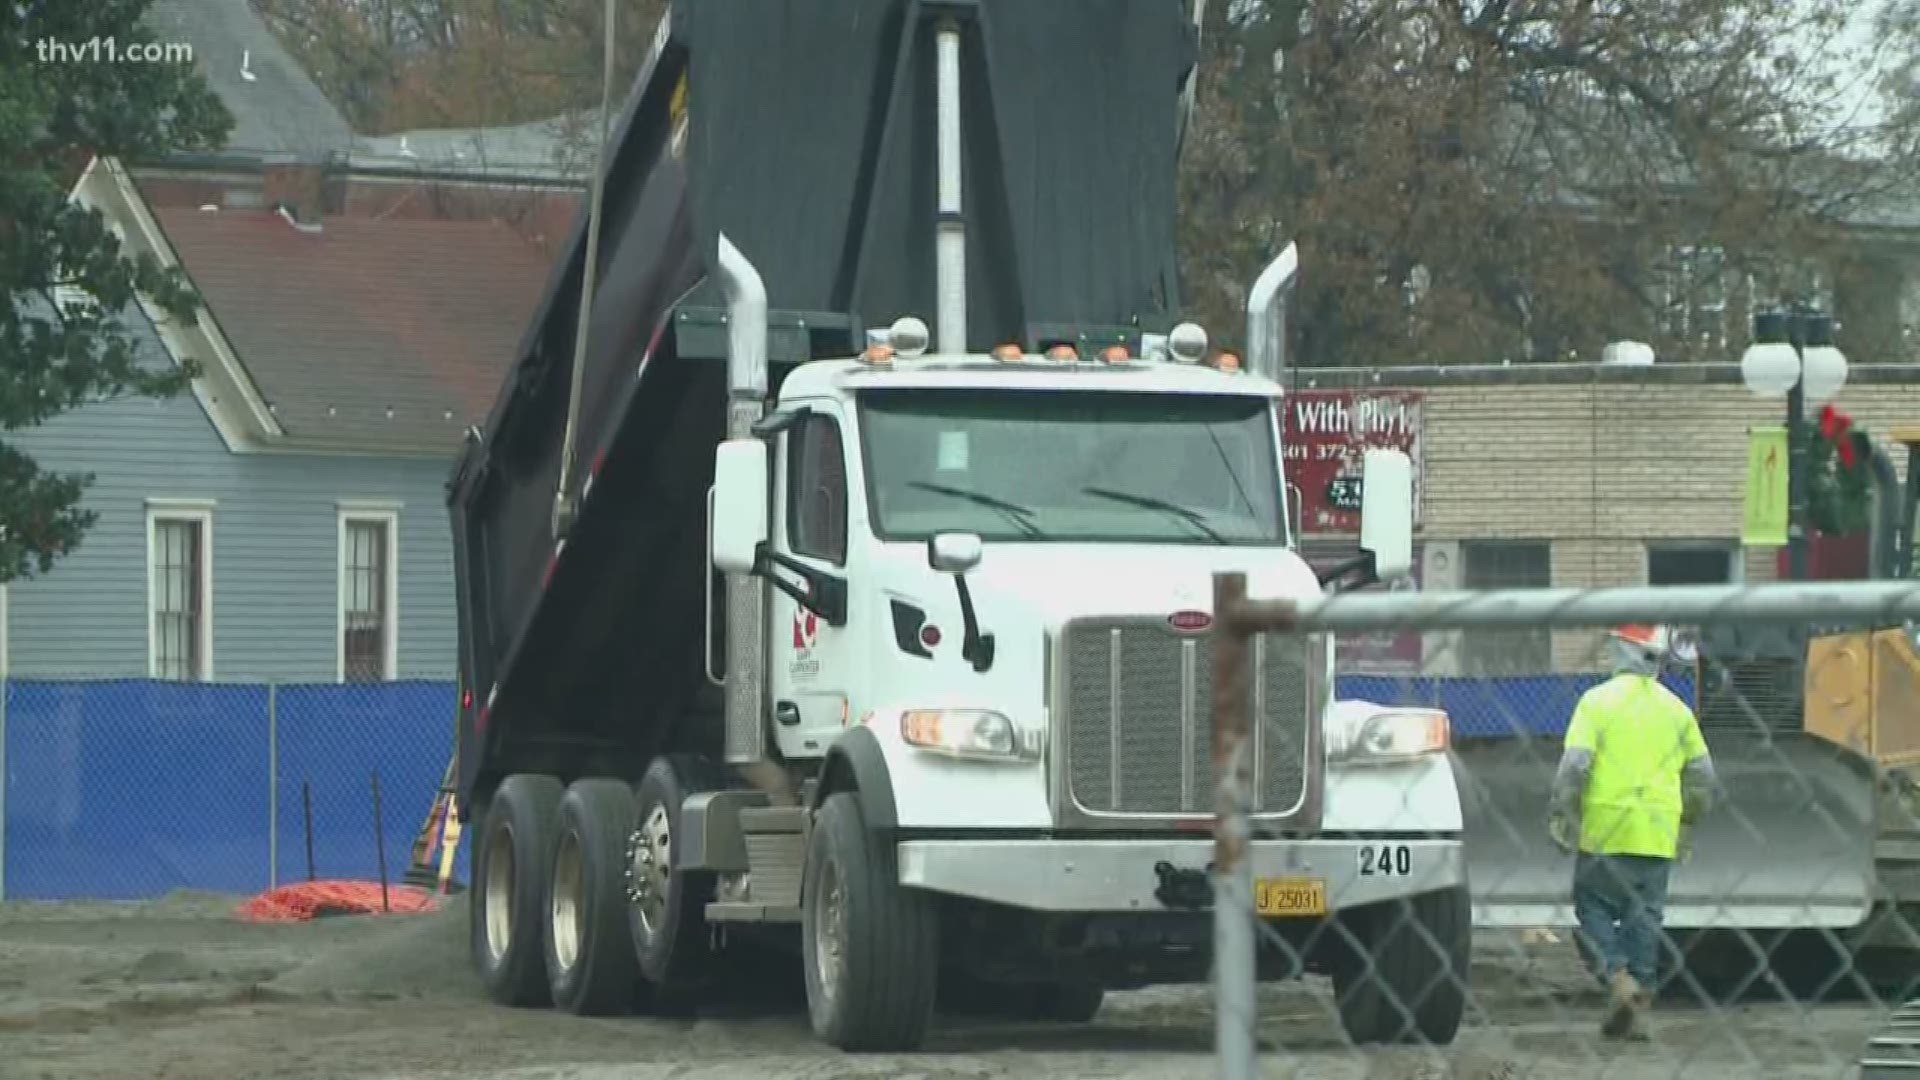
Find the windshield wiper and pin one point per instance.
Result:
(1185, 513)
(1021, 516)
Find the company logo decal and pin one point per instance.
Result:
(1189, 622)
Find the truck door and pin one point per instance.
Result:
(810, 660)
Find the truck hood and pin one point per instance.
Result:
(1059, 582)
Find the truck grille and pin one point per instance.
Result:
(1139, 719)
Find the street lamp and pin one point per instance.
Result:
(1793, 356)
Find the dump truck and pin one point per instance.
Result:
(870, 634)
(1805, 879)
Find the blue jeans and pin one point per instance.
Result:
(1619, 901)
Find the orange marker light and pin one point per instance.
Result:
(878, 354)
(1062, 352)
(1007, 352)
(1115, 354)
(1227, 362)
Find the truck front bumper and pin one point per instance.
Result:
(1293, 877)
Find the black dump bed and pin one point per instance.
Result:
(803, 129)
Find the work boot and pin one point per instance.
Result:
(1625, 1004)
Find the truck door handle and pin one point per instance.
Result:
(787, 713)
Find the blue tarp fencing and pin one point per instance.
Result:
(127, 789)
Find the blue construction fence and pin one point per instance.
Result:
(129, 789)
(1497, 707)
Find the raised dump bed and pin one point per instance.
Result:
(805, 130)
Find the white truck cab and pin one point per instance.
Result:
(989, 627)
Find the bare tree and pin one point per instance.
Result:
(395, 65)
(1478, 179)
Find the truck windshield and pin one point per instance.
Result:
(1072, 466)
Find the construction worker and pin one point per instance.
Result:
(1633, 778)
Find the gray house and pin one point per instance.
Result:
(286, 519)
(364, 296)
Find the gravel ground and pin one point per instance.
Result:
(178, 989)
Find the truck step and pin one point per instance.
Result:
(775, 862)
(1894, 1054)
(773, 819)
(743, 911)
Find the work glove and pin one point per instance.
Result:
(1564, 831)
(1683, 853)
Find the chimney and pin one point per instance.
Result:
(296, 188)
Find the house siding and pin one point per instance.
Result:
(274, 549)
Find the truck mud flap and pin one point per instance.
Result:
(1790, 843)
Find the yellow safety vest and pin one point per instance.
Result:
(1641, 736)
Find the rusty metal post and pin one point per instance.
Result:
(1233, 913)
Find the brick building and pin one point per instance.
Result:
(1581, 475)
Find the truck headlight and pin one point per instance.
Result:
(966, 733)
(1386, 735)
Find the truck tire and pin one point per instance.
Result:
(1405, 979)
(871, 948)
(667, 907)
(510, 864)
(591, 967)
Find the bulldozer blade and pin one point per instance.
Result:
(1788, 844)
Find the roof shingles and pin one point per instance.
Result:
(368, 335)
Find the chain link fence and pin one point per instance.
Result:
(1785, 936)
(121, 789)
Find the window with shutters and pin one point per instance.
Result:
(180, 592)
(368, 645)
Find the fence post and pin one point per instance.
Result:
(273, 785)
(1234, 966)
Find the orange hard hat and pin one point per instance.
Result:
(1651, 638)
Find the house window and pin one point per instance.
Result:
(1704, 563)
(368, 619)
(817, 490)
(180, 592)
(1506, 564)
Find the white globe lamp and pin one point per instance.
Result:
(1823, 368)
(1770, 368)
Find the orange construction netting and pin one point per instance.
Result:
(317, 899)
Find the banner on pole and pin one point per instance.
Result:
(1765, 520)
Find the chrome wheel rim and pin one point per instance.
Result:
(649, 863)
(569, 890)
(829, 931)
(499, 893)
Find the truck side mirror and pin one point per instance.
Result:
(1386, 512)
(740, 504)
(954, 552)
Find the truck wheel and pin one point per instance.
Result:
(510, 877)
(1068, 1002)
(591, 968)
(1405, 979)
(871, 947)
(667, 907)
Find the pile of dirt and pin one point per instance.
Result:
(386, 957)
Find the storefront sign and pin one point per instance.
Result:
(1326, 433)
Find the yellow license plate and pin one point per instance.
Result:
(1290, 896)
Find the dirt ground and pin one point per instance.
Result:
(178, 989)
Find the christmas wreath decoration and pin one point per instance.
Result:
(1839, 483)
